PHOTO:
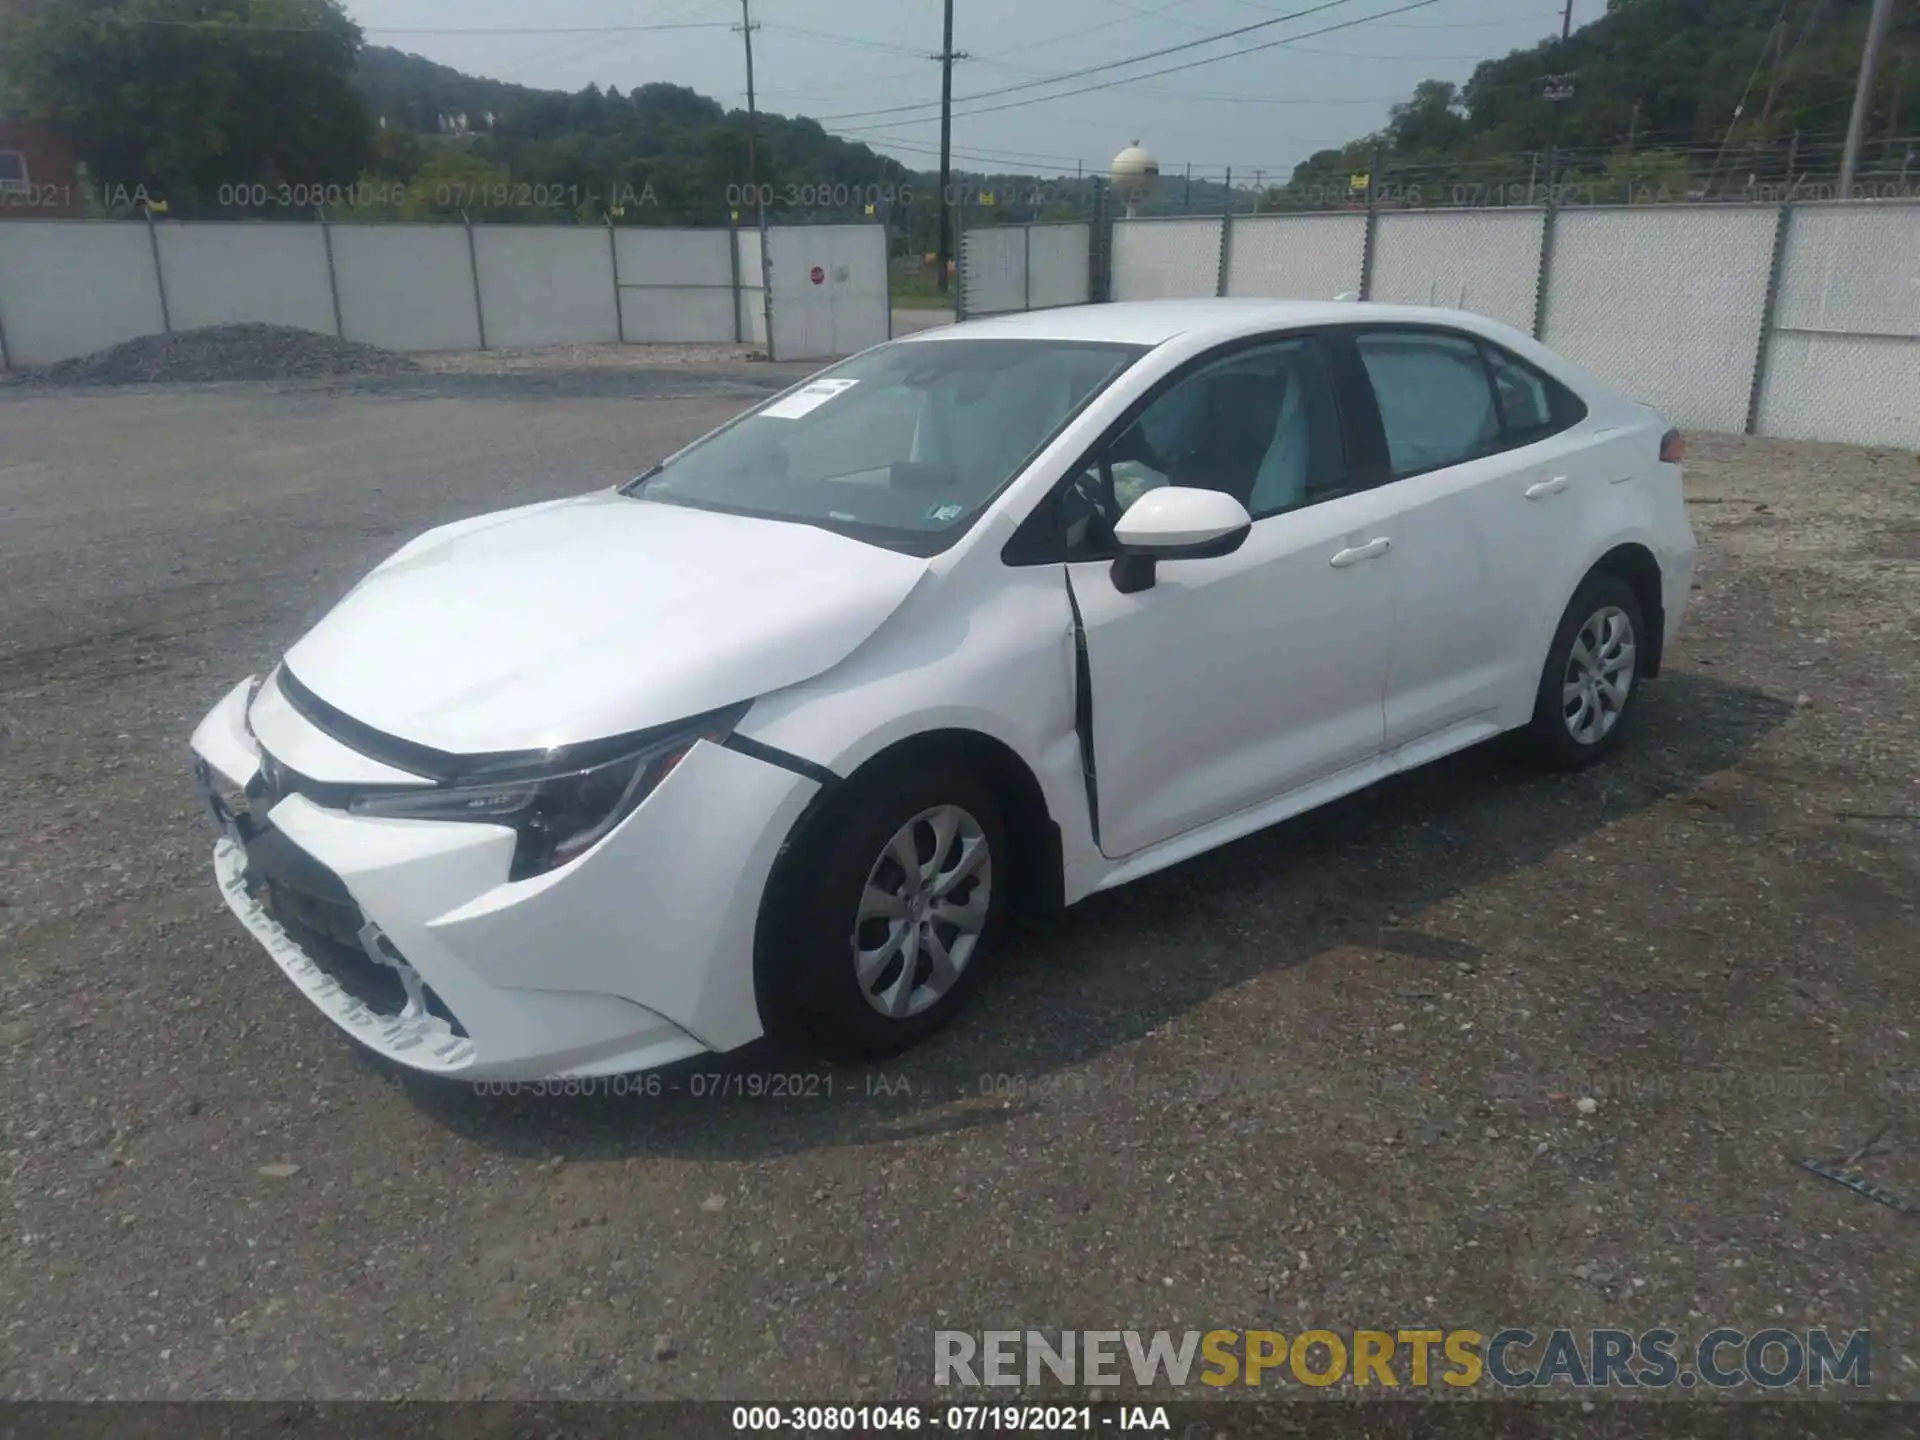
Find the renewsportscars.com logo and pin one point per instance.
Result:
(1514, 1358)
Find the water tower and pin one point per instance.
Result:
(1135, 172)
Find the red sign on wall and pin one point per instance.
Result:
(819, 276)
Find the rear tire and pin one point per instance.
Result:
(871, 955)
(1591, 681)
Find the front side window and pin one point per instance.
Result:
(1436, 403)
(901, 447)
(1261, 425)
(13, 170)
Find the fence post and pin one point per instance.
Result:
(1549, 222)
(159, 273)
(739, 295)
(473, 265)
(766, 274)
(883, 212)
(1370, 236)
(1226, 239)
(960, 271)
(1099, 249)
(6, 360)
(1026, 266)
(1768, 306)
(619, 311)
(333, 276)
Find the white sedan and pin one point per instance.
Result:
(778, 736)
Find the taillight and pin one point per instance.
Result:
(1673, 448)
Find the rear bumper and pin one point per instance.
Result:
(637, 954)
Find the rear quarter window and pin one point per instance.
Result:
(1533, 405)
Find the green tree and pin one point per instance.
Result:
(183, 97)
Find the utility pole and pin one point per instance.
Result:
(946, 57)
(1559, 90)
(1863, 93)
(747, 28)
(1186, 205)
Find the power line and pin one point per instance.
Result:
(855, 41)
(1112, 64)
(240, 28)
(1083, 32)
(1186, 65)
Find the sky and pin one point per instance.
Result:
(1259, 111)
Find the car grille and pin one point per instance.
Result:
(315, 908)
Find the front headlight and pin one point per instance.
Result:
(565, 807)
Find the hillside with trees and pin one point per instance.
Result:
(1658, 98)
(263, 107)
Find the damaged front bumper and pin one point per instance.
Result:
(408, 935)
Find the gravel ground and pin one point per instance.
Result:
(220, 352)
(1334, 1074)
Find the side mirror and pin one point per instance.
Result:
(1175, 523)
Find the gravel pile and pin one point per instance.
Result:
(222, 353)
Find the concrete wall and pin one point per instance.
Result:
(226, 274)
(406, 287)
(546, 285)
(69, 287)
(677, 285)
(753, 294)
(1674, 304)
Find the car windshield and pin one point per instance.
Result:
(903, 446)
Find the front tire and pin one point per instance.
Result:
(890, 924)
(1592, 676)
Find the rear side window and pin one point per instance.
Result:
(1435, 400)
(1446, 398)
(1532, 405)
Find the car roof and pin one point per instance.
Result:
(1154, 322)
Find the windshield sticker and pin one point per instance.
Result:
(941, 514)
(807, 399)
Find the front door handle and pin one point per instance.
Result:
(1546, 488)
(1372, 550)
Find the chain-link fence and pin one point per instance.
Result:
(1025, 267)
(1316, 257)
(1487, 261)
(1163, 259)
(1844, 357)
(1800, 321)
(1665, 304)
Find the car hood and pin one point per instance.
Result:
(595, 616)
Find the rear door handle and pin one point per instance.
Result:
(1546, 488)
(1372, 550)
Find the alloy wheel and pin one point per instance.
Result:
(922, 911)
(1599, 677)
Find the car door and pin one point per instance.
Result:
(1483, 504)
(1233, 679)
